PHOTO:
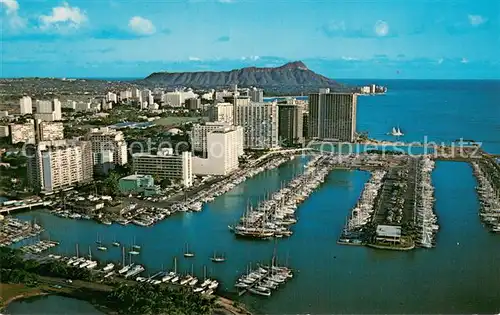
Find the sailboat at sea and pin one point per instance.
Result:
(116, 243)
(134, 249)
(397, 132)
(100, 245)
(187, 253)
(218, 259)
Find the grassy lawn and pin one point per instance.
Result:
(9, 291)
(174, 120)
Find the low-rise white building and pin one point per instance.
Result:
(165, 164)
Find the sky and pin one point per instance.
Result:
(389, 39)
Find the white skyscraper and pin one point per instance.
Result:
(224, 147)
(221, 112)
(260, 124)
(108, 148)
(55, 165)
(48, 110)
(26, 105)
(199, 136)
(111, 97)
(256, 95)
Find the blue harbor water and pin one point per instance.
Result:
(460, 275)
(51, 305)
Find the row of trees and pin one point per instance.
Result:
(13, 265)
(148, 299)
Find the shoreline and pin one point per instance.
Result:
(35, 292)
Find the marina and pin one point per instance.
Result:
(487, 173)
(396, 208)
(276, 213)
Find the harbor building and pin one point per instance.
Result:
(332, 116)
(221, 112)
(388, 234)
(61, 164)
(26, 105)
(290, 127)
(165, 164)
(260, 124)
(136, 184)
(199, 137)
(109, 148)
(256, 95)
(224, 147)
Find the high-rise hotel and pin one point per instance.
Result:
(60, 164)
(332, 116)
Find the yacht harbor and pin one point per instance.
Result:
(263, 280)
(487, 174)
(396, 207)
(13, 230)
(273, 216)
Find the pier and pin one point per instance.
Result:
(24, 206)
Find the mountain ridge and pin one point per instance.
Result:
(291, 75)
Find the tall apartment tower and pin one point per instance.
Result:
(26, 105)
(56, 165)
(109, 148)
(332, 116)
(256, 95)
(290, 128)
(260, 124)
(221, 112)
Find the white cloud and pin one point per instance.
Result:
(194, 59)
(381, 28)
(252, 58)
(476, 20)
(349, 58)
(464, 60)
(13, 18)
(11, 6)
(225, 1)
(62, 17)
(141, 26)
(440, 61)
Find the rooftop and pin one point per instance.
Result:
(388, 231)
(136, 177)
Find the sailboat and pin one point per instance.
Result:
(135, 246)
(187, 253)
(116, 243)
(218, 259)
(135, 249)
(101, 246)
(396, 132)
(176, 277)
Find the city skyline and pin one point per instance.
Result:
(370, 39)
